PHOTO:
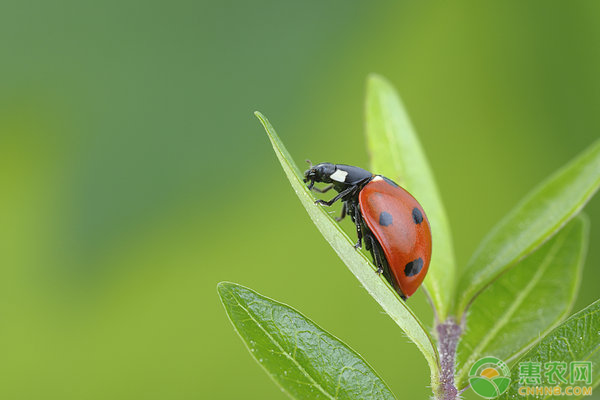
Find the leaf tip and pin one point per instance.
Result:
(264, 122)
(224, 286)
(374, 79)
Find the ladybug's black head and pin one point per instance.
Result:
(319, 173)
(341, 175)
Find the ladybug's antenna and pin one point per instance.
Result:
(310, 164)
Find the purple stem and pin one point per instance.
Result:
(448, 336)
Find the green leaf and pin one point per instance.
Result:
(574, 340)
(303, 359)
(533, 221)
(527, 301)
(395, 152)
(356, 261)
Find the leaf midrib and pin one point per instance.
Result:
(282, 350)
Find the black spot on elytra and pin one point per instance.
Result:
(385, 219)
(391, 182)
(417, 216)
(413, 267)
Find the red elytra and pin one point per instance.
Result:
(388, 219)
(401, 227)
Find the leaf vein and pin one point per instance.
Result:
(297, 364)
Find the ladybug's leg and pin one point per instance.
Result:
(358, 222)
(337, 197)
(341, 217)
(376, 253)
(368, 245)
(381, 263)
(324, 190)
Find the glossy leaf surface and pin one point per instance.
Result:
(527, 301)
(303, 359)
(574, 340)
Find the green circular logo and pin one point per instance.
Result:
(489, 377)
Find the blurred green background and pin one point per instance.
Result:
(134, 177)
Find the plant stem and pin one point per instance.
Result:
(448, 335)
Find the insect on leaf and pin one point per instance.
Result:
(358, 264)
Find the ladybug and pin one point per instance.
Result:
(388, 219)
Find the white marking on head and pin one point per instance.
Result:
(377, 178)
(339, 175)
